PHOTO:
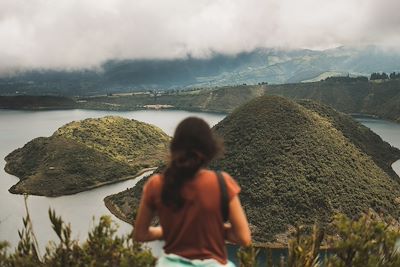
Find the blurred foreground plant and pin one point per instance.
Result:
(366, 242)
(101, 248)
(304, 250)
(247, 256)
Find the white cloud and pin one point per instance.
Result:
(84, 33)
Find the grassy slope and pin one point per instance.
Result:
(295, 167)
(113, 148)
(382, 153)
(124, 140)
(297, 164)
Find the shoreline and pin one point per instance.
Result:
(124, 109)
(121, 179)
(114, 210)
(118, 109)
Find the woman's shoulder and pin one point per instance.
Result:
(232, 186)
(209, 172)
(154, 181)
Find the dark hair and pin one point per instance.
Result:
(192, 147)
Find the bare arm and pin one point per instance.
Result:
(238, 231)
(143, 232)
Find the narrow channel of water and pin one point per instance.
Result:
(387, 130)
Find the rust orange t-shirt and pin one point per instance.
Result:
(196, 230)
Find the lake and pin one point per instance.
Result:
(19, 127)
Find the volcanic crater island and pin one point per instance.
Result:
(82, 155)
(297, 162)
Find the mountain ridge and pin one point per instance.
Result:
(274, 66)
(346, 94)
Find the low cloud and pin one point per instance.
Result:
(71, 34)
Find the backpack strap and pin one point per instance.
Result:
(224, 196)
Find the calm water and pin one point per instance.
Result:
(388, 131)
(19, 127)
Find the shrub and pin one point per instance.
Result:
(101, 248)
(366, 242)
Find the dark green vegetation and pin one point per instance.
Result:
(347, 94)
(297, 163)
(381, 98)
(36, 102)
(382, 153)
(261, 65)
(384, 76)
(86, 154)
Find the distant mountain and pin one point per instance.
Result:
(86, 154)
(261, 65)
(297, 163)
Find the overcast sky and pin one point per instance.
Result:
(84, 33)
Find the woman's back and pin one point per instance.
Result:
(196, 230)
(187, 198)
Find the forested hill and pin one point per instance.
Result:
(297, 163)
(382, 153)
(85, 154)
(379, 98)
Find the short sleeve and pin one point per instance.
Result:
(149, 192)
(232, 187)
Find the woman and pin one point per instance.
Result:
(187, 199)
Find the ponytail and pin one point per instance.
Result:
(192, 147)
(180, 170)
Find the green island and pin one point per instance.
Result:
(379, 98)
(297, 163)
(82, 155)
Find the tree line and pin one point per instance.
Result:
(384, 76)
